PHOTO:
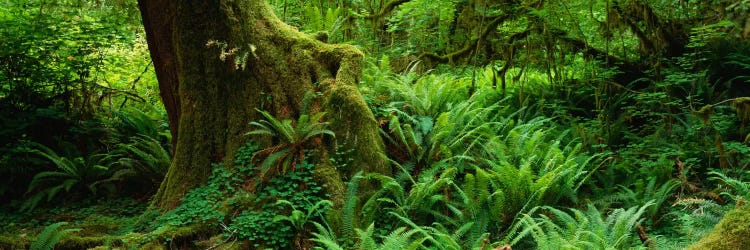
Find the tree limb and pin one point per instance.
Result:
(386, 9)
(466, 49)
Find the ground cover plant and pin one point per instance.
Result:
(404, 124)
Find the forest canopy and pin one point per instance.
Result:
(375, 124)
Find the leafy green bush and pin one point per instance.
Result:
(59, 69)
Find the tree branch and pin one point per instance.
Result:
(466, 49)
(386, 9)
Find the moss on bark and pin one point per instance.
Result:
(732, 232)
(234, 56)
(355, 127)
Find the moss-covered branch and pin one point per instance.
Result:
(387, 9)
(468, 47)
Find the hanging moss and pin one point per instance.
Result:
(742, 106)
(705, 113)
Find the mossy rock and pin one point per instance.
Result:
(732, 232)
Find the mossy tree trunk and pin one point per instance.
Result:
(219, 60)
(732, 232)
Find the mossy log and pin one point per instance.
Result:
(180, 237)
(732, 232)
(232, 57)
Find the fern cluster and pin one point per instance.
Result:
(584, 229)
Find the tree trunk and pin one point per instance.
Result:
(219, 60)
(156, 16)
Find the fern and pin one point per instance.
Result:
(483, 200)
(144, 158)
(51, 235)
(293, 136)
(649, 193)
(350, 205)
(326, 237)
(329, 21)
(397, 239)
(133, 122)
(299, 218)
(697, 217)
(736, 189)
(534, 171)
(439, 237)
(583, 229)
(72, 173)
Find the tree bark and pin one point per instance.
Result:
(233, 56)
(158, 20)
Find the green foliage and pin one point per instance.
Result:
(640, 195)
(483, 203)
(696, 218)
(584, 229)
(413, 112)
(48, 238)
(200, 205)
(261, 224)
(136, 155)
(294, 137)
(602, 106)
(62, 63)
(260, 217)
(204, 204)
(439, 237)
(299, 218)
(535, 170)
(130, 123)
(349, 218)
(427, 23)
(328, 20)
(398, 239)
(143, 159)
(738, 189)
(253, 226)
(71, 173)
(53, 49)
(424, 197)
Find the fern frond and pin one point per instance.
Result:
(326, 237)
(349, 209)
(51, 235)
